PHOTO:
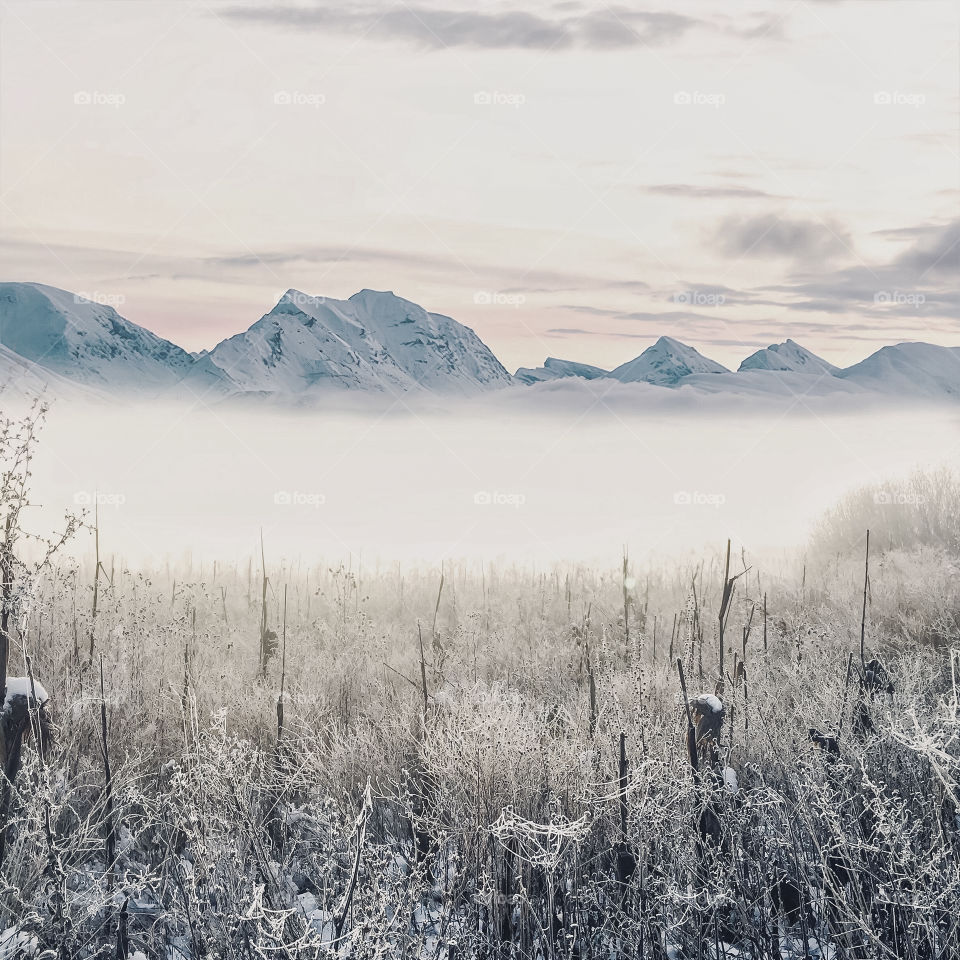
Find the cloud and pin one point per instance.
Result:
(755, 26)
(770, 236)
(283, 267)
(935, 256)
(433, 28)
(818, 306)
(619, 27)
(920, 281)
(698, 192)
(916, 292)
(769, 27)
(645, 316)
(572, 332)
(553, 283)
(322, 255)
(947, 139)
(577, 332)
(903, 233)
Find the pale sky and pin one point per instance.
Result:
(569, 179)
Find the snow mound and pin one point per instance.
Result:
(707, 701)
(21, 687)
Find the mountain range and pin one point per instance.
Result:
(377, 342)
(905, 369)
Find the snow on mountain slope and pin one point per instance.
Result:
(912, 369)
(553, 369)
(666, 363)
(22, 380)
(373, 341)
(787, 356)
(759, 384)
(86, 341)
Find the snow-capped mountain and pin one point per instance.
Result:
(86, 341)
(787, 356)
(918, 369)
(373, 341)
(666, 363)
(554, 369)
(57, 342)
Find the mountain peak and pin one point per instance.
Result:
(787, 356)
(554, 369)
(572, 368)
(374, 341)
(666, 363)
(367, 294)
(909, 368)
(85, 339)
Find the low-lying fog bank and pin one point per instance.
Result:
(540, 480)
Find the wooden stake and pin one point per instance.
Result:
(866, 588)
(626, 602)
(423, 670)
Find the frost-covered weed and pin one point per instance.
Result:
(500, 820)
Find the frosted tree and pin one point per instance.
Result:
(23, 559)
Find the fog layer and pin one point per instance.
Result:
(507, 480)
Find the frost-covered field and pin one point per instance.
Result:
(308, 759)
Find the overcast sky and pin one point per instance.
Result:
(569, 179)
